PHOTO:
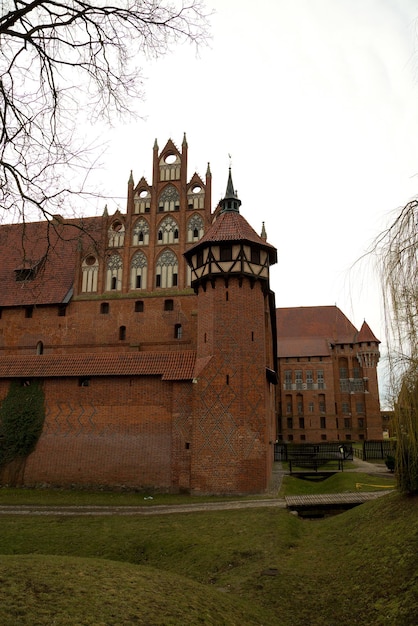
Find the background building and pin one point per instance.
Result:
(328, 377)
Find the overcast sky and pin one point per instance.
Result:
(317, 103)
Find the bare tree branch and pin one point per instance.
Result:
(61, 58)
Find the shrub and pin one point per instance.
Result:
(22, 416)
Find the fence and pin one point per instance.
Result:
(376, 450)
(287, 451)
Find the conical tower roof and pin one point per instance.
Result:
(231, 226)
(366, 334)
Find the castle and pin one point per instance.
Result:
(154, 335)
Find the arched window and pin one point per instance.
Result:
(170, 166)
(139, 271)
(142, 201)
(114, 273)
(139, 306)
(196, 197)
(90, 272)
(169, 200)
(140, 233)
(168, 231)
(39, 347)
(166, 270)
(178, 331)
(122, 333)
(195, 228)
(116, 234)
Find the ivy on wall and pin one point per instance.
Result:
(22, 416)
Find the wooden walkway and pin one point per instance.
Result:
(331, 500)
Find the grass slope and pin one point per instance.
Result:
(243, 567)
(68, 591)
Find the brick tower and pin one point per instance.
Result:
(233, 418)
(367, 352)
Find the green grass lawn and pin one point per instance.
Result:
(336, 483)
(239, 567)
(70, 497)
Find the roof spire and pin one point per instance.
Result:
(230, 202)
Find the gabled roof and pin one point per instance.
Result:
(312, 330)
(168, 365)
(39, 259)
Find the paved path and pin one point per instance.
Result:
(158, 509)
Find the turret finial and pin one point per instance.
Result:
(231, 202)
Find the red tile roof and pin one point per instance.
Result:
(366, 334)
(303, 346)
(232, 226)
(168, 365)
(309, 331)
(51, 249)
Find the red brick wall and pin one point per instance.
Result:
(85, 329)
(231, 431)
(117, 432)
